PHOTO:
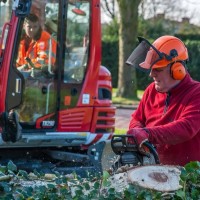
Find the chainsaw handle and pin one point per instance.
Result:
(152, 151)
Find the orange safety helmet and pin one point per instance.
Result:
(164, 51)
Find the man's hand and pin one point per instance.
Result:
(23, 67)
(140, 135)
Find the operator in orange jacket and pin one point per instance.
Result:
(168, 115)
(37, 45)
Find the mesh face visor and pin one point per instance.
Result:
(144, 56)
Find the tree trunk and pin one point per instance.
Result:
(128, 24)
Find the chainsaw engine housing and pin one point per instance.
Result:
(131, 154)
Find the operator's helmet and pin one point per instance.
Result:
(164, 51)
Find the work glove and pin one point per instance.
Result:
(46, 72)
(23, 67)
(140, 135)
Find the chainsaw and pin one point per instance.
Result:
(130, 154)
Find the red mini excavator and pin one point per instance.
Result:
(59, 116)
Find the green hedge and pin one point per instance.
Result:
(16, 184)
(110, 58)
(194, 60)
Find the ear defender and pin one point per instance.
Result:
(178, 71)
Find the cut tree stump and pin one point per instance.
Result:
(157, 177)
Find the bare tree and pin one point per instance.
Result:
(172, 9)
(128, 23)
(109, 8)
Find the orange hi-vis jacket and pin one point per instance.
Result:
(41, 52)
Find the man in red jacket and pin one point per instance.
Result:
(168, 115)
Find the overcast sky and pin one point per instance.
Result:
(193, 10)
(190, 9)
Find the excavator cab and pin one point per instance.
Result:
(39, 88)
(60, 104)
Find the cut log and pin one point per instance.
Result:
(157, 177)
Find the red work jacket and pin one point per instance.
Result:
(173, 121)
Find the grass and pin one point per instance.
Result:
(120, 131)
(126, 101)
